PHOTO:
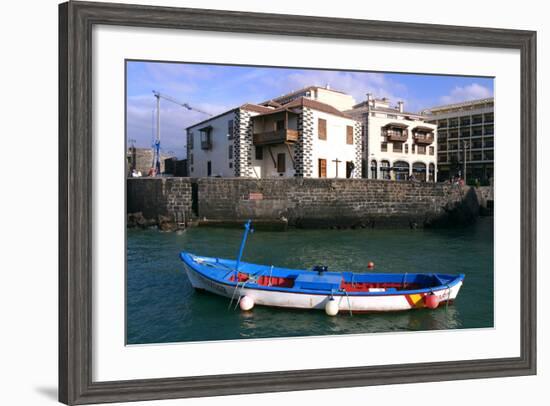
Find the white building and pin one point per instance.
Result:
(397, 145)
(304, 133)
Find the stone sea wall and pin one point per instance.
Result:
(305, 202)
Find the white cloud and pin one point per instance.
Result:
(464, 93)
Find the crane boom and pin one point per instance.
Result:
(182, 104)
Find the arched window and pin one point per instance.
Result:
(419, 171)
(373, 169)
(401, 170)
(385, 169)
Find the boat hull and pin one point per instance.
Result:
(302, 300)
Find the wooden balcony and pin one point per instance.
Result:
(423, 138)
(395, 132)
(395, 136)
(275, 137)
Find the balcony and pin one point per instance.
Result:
(206, 137)
(423, 135)
(397, 137)
(395, 132)
(275, 137)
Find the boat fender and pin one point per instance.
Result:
(431, 301)
(246, 303)
(331, 308)
(370, 265)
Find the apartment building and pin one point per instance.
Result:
(465, 139)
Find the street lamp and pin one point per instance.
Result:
(466, 145)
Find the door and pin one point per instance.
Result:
(322, 168)
(350, 166)
(209, 168)
(281, 163)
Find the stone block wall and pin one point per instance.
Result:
(307, 202)
(336, 202)
(163, 196)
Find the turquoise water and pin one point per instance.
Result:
(163, 307)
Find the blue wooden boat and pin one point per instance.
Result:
(319, 288)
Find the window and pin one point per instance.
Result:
(322, 128)
(349, 135)
(384, 147)
(230, 130)
(322, 168)
(191, 159)
(431, 150)
(230, 151)
(406, 148)
(259, 153)
(397, 147)
(413, 148)
(209, 168)
(281, 163)
(206, 137)
(373, 169)
(280, 125)
(190, 140)
(422, 149)
(230, 164)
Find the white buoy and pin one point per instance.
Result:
(331, 308)
(246, 303)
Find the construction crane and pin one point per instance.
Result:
(156, 142)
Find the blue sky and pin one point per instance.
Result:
(217, 88)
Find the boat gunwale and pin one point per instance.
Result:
(458, 279)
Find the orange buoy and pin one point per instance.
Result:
(431, 301)
(370, 265)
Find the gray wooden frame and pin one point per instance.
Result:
(76, 20)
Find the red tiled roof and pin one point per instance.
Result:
(256, 108)
(312, 104)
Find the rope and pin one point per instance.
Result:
(349, 304)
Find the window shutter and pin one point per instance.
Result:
(322, 129)
(349, 135)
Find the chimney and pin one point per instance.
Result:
(370, 101)
(400, 106)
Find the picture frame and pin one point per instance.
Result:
(76, 20)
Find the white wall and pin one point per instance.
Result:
(29, 304)
(219, 154)
(336, 99)
(334, 147)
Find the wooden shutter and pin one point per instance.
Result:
(349, 135)
(281, 164)
(322, 168)
(322, 128)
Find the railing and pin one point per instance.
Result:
(421, 138)
(206, 144)
(395, 136)
(275, 137)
